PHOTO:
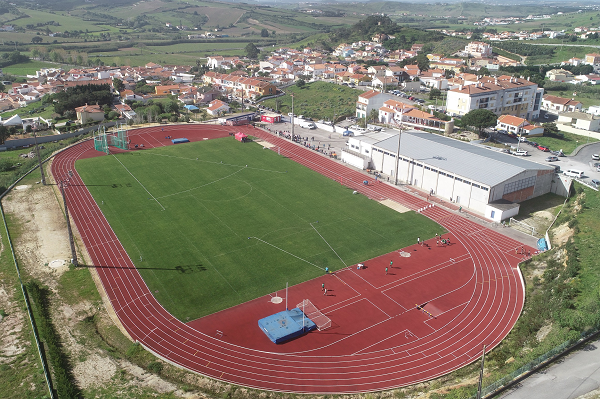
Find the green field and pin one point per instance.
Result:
(29, 68)
(197, 257)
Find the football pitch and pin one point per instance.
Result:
(216, 223)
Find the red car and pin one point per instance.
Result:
(542, 148)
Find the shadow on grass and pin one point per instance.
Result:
(181, 269)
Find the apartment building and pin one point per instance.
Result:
(504, 95)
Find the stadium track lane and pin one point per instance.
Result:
(491, 312)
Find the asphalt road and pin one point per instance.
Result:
(582, 161)
(569, 378)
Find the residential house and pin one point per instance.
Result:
(579, 120)
(555, 104)
(369, 101)
(89, 113)
(125, 111)
(217, 107)
(390, 112)
(560, 75)
(517, 125)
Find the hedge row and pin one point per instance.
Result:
(63, 378)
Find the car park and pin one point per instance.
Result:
(552, 159)
(542, 148)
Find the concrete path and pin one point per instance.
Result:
(571, 377)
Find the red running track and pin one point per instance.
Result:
(472, 290)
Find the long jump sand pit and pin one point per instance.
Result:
(394, 205)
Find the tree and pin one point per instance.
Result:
(118, 84)
(434, 93)
(252, 51)
(550, 129)
(264, 32)
(480, 119)
(301, 83)
(36, 39)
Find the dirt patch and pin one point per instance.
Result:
(561, 234)
(94, 371)
(11, 325)
(43, 238)
(543, 332)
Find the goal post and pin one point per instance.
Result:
(323, 322)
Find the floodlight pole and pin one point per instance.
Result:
(481, 374)
(398, 152)
(37, 150)
(69, 231)
(292, 119)
(286, 295)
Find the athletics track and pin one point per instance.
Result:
(469, 293)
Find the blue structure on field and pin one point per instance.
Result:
(181, 140)
(283, 326)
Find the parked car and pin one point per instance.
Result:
(552, 159)
(595, 157)
(596, 182)
(574, 173)
(348, 133)
(522, 139)
(512, 135)
(542, 148)
(521, 153)
(533, 143)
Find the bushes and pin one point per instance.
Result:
(63, 380)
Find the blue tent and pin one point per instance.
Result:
(191, 107)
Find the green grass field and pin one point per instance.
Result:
(197, 254)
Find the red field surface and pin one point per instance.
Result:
(429, 315)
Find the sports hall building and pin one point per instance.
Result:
(485, 180)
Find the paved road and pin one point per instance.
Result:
(570, 378)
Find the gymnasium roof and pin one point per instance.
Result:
(473, 162)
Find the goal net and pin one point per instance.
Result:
(323, 322)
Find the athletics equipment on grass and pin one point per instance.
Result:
(323, 322)
(180, 140)
(283, 326)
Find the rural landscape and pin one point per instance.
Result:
(417, 180)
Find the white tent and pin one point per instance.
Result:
(14, 120)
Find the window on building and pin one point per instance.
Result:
(519, 185)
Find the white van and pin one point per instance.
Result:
(308, 125)
(574, 173)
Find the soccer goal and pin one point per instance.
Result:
(323, 322)
(522, 226)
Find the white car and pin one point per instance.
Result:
(595, 157)
(521, 153)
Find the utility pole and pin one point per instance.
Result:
(69, 231)
(481, 373)
(37, 150)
